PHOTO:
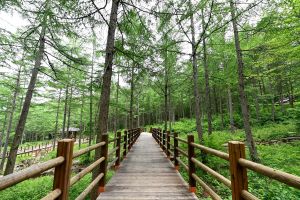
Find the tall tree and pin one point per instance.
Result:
(106, 83)
(242, 93)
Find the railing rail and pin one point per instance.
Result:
(63, 163)
(238, 165)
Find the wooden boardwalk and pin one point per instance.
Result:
(146, 173)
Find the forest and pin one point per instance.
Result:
(219, 69)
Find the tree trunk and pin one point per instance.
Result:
(131, 98)
(23, 117)
(206, 76)
(10, 119)
(105, 92)
(91, 132)
(69, 112)
(170, 109)
(63, 135)
(3, 130)
(56, 120)
(195, 80)
(221, 111)
(230, 110)
(138, 111)
(166, 97)
(81, 119)
(243, 98)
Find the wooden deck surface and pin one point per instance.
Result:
(146, 173)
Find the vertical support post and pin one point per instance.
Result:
(62, 172)
(192, 168)
(129, 139)
(168, 144)
(176, 164)
(125, 145)
(118, 151)
(103, 165)
(160, 138)
(164, 141)
(239, 179)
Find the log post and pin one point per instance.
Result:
(168, 144)
(129, 139)
(125, 145)
(118, 151)
(103, 165)
(176, 164)
(164, 140)
(239, 179)
(192, 168)
(62, 172)
(160, 138)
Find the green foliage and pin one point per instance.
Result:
(274, 156)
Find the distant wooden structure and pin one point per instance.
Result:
(71, 132)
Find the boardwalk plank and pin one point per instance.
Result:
(146, 174)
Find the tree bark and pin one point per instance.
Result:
(195, 81)
(206, 76)
(56, 120)
(81, 119)
(166, 96)
(69, 112)
(91, 132)
(131, 98)
(243, 98)
(230, 110)
(3, 130)
(105, 92)
(23, 117)
(10, 119)
(63, 135)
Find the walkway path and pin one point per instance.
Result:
(146, 174)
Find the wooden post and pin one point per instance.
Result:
(164, 140)
(160, 138)
(192, 168)
(168, 144)
(125, 145)
(176, 164)
(62, 172)
(129, 140)
(118, 151)
(103, 165)
(239, 179)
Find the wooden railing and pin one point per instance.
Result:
(36, 149)
(63, 162)
(238, 165)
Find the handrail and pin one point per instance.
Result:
(33, 170)
(90, 187)
(181, 140)
(182, 152)
(85, 171)
(278, 175)
(110, 152)
(52, 195)
(183, 164)
(87, 149)
(214, 152)
(212, 193)
(63, 162)
(238, 166)
(218, 176)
